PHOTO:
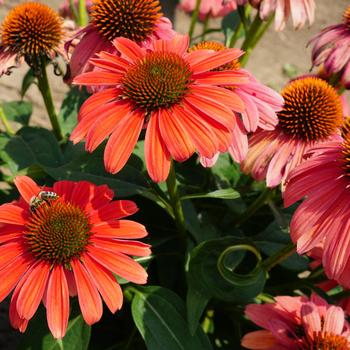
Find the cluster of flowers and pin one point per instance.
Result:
(71, 238)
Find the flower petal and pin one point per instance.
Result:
(26, 187)
(119, 229)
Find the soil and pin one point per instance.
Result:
(267, 63)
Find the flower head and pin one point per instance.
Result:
(175, 95)
(261, 105)
(67, 240)
(30, 30)
(331, 49)
(211, 8)
(301, 11)
(139, 20)
(323, 217)
(297, 323)
(312, 114)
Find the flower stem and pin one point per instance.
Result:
(280, 256)
(44, 87)
(254, 207)
(4, 120)
(74, 11)
(255, 33)
(194, 19)
(205, 26)
(83, 16)
(176, 205)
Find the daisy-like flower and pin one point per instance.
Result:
(297, 323)
(30, 31)
(312, 114)
(211, 8)
(261, 105)
(300, 10)
(323, 216)
(67, 240)
(137, 20)
(331, 48)
(175, 95)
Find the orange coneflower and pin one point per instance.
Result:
(312, 114)
(67, 240)
(175, 95)
(30, 31)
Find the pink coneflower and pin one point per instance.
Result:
(332, 49)
(323, 216)
(171, 93)
(261, 105)
(67, 240)
(300, 10)
(297, 323)
(211, 8)
(312, 114)
(137, 20)
(29, 32)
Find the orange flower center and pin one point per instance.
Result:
(57, 232)
(160, 79)
(345, 129)
(132, 19)
(216, 46)
(346, 16)
(327, 341)
(32, 29)
(312, 110)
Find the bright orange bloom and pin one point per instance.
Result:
(62, 241)
(174, 94)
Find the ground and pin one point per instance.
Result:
(266, 63)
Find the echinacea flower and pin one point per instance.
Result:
(323, 217)
(261, 105)
(67, 240)
(175, 95)
(297, 323)
(331, 48)
(299, 10)
(29, 32)
(209, 8)
(137, 20)
(312, 114)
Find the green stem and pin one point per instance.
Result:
(280, 256)
(74, 11)
(44, 87)
(175, 202)
(254, 207)
(242, 15)
(234, 37)
(205, 26)
(255, 33)
(194, 19)
(83, 16)
(6, 123)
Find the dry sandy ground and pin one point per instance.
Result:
(267, 61)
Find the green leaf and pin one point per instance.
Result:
(196, 302)
(160, 317)
(80, 165)
(68, 116)
(227, 193)
(38, 336)
(30, 147)
(18, 111)
(27, 81)
(215, 267)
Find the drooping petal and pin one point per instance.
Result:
(112, 211)
(119, 229)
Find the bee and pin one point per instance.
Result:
(43, 197)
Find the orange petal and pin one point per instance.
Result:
(128, 49)
(98, 78)
(16, 321)
(26, 187)
(112, 211)
(120, 264)
(13, 214)
(106, 284)
(175, 136)
(122, 142)
(119, 229)
(33, 290)
(156, 154)
(89, 299)
(57, 302)
(224, 78)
